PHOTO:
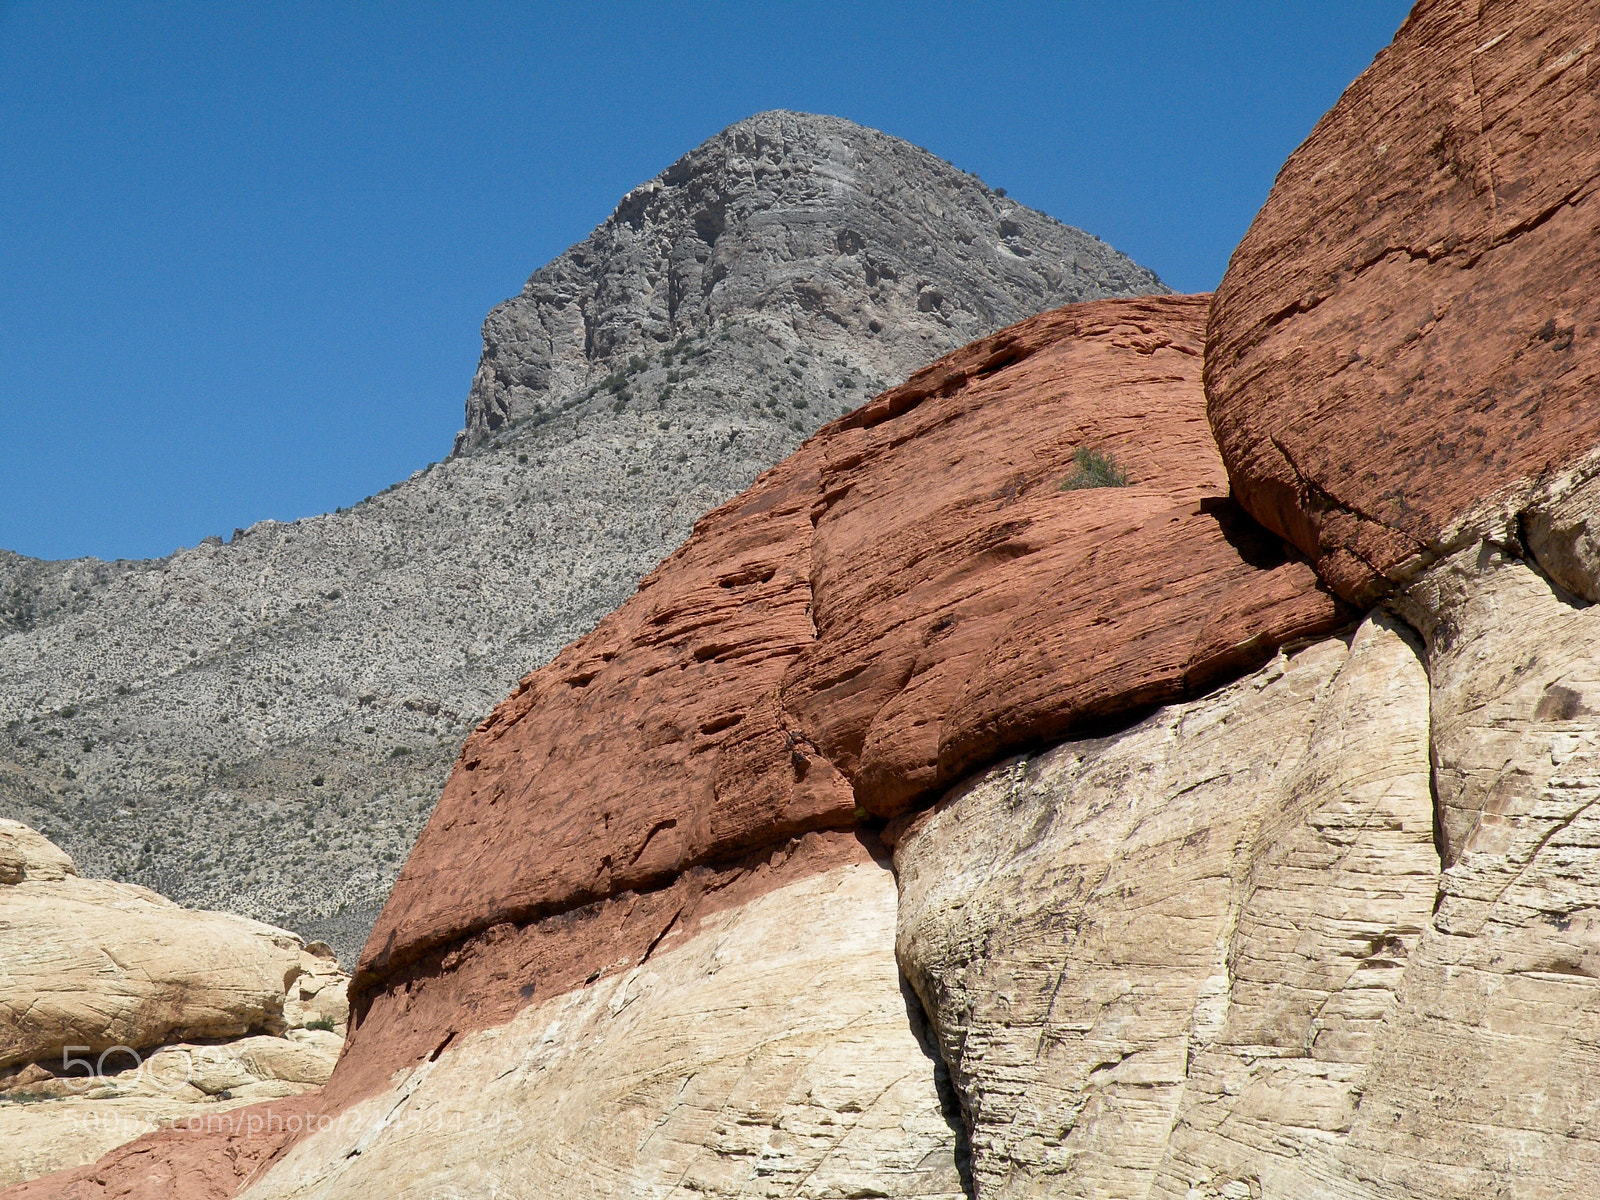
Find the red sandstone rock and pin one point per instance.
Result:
(1410, 325)
(909, 595)
(212, 1162)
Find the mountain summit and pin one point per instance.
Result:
(824, 230)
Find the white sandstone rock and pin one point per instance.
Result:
(770, 1054)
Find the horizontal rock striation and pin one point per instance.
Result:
(1405, 347)
(838, 642)
(827, 652)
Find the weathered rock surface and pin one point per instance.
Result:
(263, 726)
(177, 1161)
(26, 854)
(813, 225)
(845, 637)
(1167, 960)
(93, 964)
(1502, 1009)
(768, 1052)
(51, 1123)
(1405, 347)
(101, 984)
(832, 647)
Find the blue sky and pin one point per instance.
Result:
(245, 249)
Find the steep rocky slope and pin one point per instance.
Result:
(263, 725)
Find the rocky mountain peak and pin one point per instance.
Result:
(825, 230)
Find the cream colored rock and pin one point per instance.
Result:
(28, 855)
(769, 1054)
(1489, 1082)
(319, 993)
(95, 978)
(95, 964)
(1562, 528)
(1165, 960)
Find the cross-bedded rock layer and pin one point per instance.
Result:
(262, 726)
(910, 595)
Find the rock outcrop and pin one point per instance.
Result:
(767, 1052)
(93, 964)
(263, 725)
(673, 818)
(857, 246)
(122, 1013)
(844, 638)
(1203, 889)
(1404, 349)
(1167, 963)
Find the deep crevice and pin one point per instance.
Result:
(950, 1105)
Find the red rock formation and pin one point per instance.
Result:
(910, 594)
(908, 597)
(1409, 326)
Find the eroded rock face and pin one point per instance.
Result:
(51, 1123)
(26, 854)
(1502, 1009)
(1171, 958)
(1405, 348)
(872, 617)
(101, 986)
(768, 1051)
(298, 694)
(97, 964)
(832, 647)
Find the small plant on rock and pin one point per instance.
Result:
(1093, 469)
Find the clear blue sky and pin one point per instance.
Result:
(245, 248)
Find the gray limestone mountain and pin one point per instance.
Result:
(262, 725)
(787, 231)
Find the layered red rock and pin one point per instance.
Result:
(1409, 328)
(909, 597)
(910, 594)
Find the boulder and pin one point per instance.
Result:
(1402, 356)
(100, 985)
(92, 964)
(26, 854)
